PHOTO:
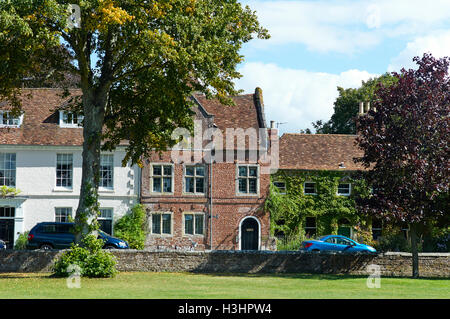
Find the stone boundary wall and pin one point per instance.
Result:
(391, 264)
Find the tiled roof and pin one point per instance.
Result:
(319, 152)
(247, 114)
(242, 115)
(40, 124)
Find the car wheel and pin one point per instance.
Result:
(46, 247)
(316, 250)
(110, 247)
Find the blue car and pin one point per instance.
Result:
(2, 244)
(53, 235)
(336, 243)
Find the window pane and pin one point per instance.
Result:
(253, 171)
(242, 185)
(105, 225)
(64, 165)
(106, 171)
(8, 169)
(167, 185)
(157, 170)
(157, 185)
(62, 214)
(252, 185)
(199, 224)
(166, 223)
(156, 223)
(310, 188)
(189, 185)
(199, 185)
(243, 171)
(281, 186)
(188, 224)
(344, 188)
(167, 170)
(189, 170)
(200, 171)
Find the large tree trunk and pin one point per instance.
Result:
(86, 216)
(415, 254)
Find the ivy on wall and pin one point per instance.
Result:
(289, 211)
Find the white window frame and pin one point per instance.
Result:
(18, 119)
(10, 169)
(315, 223)
(304, 188)
(63, 188)
(204, 177)
(194, 224)
(281, 190)
(238, 192)
(100, 217)
(344, 194)
(111, 162)
(64, 124)
(162, 178)
(67, 210)
(160, 234)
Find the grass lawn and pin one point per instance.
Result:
(151, 285)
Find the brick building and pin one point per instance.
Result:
(212, 195)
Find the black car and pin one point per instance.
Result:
(53, 235)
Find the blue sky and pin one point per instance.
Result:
(318, 45)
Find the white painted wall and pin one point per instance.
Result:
(36, 179)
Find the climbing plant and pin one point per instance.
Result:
(289, 209)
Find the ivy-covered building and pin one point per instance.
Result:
(312, 194)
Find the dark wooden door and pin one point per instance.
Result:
(249, 234)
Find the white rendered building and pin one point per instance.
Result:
(40, 155)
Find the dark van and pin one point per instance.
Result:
(53, 235)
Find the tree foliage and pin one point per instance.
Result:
(346, 106)
(406, 146)
(138, 63)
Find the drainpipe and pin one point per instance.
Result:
(211, 200)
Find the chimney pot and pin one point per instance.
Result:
(361, 108)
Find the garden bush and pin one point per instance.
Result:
(21, 242)
(132, 227)
(92, 260)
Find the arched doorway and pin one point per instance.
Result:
(249, 233)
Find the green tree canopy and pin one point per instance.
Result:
(138, 63)
(347, 104)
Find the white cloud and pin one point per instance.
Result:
(346, 26)
(437, 43)
(297, 97)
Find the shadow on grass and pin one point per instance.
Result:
(309, 276)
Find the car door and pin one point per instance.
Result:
(330, 244)
(344, 244)
(65, 236)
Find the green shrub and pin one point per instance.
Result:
(292, 242)
(93, 261)
(133, 227)
(394, 242)
(21, 242)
